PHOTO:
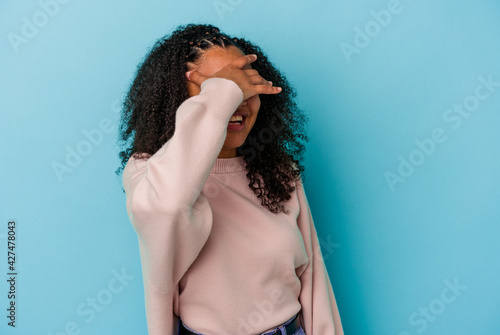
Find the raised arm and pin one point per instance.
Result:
(166, 207)
(161, 192)
(172, 178)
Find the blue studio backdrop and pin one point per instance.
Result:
(402, 166)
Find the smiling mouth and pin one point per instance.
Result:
(237, 124)
(238, 119)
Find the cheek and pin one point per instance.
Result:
(254, 104)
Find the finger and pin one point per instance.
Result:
(196, 77)
(266, 89)
(252, 72)
(256, 80)
(244, 60)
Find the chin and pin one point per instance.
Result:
(234, 141)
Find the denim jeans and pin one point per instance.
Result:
(281, 327)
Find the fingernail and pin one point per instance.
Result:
(188, 74)
(279, 89)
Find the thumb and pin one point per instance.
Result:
(196, 77)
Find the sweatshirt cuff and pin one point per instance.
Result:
(224, 90)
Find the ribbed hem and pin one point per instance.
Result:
(228, 165)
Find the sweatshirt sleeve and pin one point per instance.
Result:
(170, 215)
(320, 314)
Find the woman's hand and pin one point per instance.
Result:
(249, 80)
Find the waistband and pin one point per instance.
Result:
(290, 327)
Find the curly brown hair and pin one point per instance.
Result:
(274, 148)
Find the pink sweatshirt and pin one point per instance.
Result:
(210, 252)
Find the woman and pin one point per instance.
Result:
(212, 175)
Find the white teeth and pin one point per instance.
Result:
(236, 118)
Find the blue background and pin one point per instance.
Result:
(391, 248)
